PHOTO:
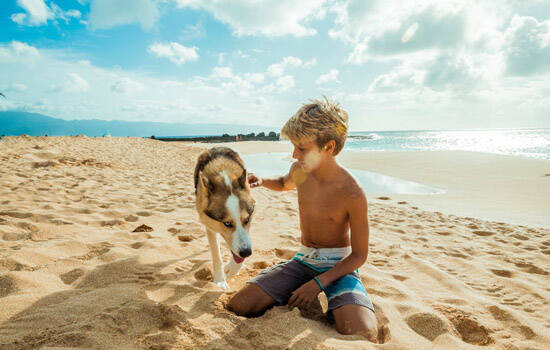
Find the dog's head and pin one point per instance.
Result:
(227, 206)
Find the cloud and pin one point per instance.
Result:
(175, 52)
(527, 46)
(127, 86)
(73, 83)
(23, 49)
(38, 13)
(330, 77)
(262, 17)
(277, 69)
(193, 31)
(106, 14)
(285, 83)
(376, 30)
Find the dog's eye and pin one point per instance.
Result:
(246, 221)
(228, 224)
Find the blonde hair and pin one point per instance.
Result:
(320, 121)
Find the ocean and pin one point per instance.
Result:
(531, 143)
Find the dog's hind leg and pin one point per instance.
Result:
(219, 275)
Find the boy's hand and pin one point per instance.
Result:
(254, 180)
(304, 296)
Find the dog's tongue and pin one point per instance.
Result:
(237, 258)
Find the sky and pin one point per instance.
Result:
(392, 65)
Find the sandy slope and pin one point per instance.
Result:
(73, 274)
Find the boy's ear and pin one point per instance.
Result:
(330, 146)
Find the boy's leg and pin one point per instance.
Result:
(250, 301)
(351, 307)
(272, 286)
(356, 319)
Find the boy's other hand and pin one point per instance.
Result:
(254, 180)
(304, 296)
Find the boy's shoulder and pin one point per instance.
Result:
(349, 185)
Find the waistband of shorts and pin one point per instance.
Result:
(324, 253)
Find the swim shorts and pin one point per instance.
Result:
(280, 280)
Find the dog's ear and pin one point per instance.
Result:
(209, 185)
(242, 179)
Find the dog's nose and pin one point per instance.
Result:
(245, 252)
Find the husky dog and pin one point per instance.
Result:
(225, 206)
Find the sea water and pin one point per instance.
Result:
(531, 143)
(273, 164)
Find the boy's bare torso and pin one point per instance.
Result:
(324, 218)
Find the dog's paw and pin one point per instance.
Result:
(223, 285)
(232, 268)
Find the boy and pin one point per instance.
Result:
(330, 203)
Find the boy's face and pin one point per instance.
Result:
(307, 154)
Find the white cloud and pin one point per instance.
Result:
(23, 49)
(127, 86)
(175, 52)
(262, 17)
(38, 13)
(111, 13)
(285, 83)
(330, 77)
(527, 46)
(73, 83)
(278, 69)
(310, 63)
(255, 78)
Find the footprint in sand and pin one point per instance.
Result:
(530, 268)
(483, 233)
(511, 322)
(520, 237)
(71, 276)
(137, 245)
(502, 273)
(470, 330)
(186, 238)
(174, 231)
(204, 274)
(7, 286)
(384, 198)
(131, 218)
(144, 213)
(428, 325)
(260, 265)
(284, 253)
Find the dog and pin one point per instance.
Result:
(225, 206)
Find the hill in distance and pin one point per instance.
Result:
(34, 124)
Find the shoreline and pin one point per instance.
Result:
(488, 186)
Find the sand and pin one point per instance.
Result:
(75, 272)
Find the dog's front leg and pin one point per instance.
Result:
(232, 268)
(219, 276)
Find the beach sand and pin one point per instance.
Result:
(73, 273)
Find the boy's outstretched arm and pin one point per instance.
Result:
(281, 183)
(359, 226)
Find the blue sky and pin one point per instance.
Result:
(392, 65)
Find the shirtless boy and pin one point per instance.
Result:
(334, 226)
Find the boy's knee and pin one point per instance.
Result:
(238, 305)
(369, 331)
